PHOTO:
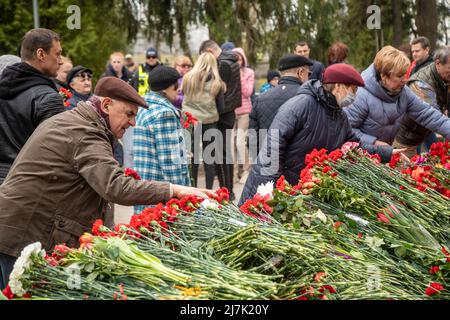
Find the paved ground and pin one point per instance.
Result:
(123, 214)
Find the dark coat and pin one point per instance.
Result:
(311, 119)
(422, 65)
(62, 181)
(129, 77)
(59, 84)
(27, 98)
(230, 73)
(76, 98)
(267, 104)
(317, 70)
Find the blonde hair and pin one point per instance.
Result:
(117, 53)
(390, 60)
(180, 60)
(194, 81)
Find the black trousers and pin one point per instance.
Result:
(225, 171)
(6, 267)
(210, 168)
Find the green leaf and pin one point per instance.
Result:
(92, 276)
(89, 267)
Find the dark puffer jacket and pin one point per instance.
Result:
(267, 104)
(27, 98)
(311, 119)
(230, 73)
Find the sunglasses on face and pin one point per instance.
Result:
(152, 57)
(85, 76)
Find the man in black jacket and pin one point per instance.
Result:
(312, 119)
(294, 72)
(229, 70)
(27, 94)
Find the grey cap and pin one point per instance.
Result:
(7, 60)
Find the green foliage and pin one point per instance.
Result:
(106, 26)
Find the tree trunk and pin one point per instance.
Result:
(427, 20)
(397, 22)
(181, 27)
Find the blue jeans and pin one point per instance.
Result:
(6, 267)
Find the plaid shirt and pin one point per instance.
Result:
(158, 143)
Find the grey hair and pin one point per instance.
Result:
(442, 54)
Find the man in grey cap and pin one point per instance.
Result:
(69, 161)
(294, 72)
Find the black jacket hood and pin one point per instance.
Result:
(231, 56)
(315, 89)
(19, 77)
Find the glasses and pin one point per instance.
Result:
(87, 76)
(152, 57)
(185, 66)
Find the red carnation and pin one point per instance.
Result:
(96, 227)
(281, 184)
(434, 288)
(434, 269)
(326, 169)
(8, 293)
(335, 155)
(327, 287)
(395, 160)
(131, 173)
(319, 276)
(337, 224)
(382, 218)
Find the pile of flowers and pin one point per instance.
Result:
(351, 228)
(428, 170)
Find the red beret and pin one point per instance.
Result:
(118, 89)
(342, 73)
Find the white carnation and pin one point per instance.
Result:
(265, 189)
(208, 204)
(21, 265)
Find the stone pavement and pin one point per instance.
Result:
(122, 214)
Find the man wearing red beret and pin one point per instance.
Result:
(313, 119)
(65, 175)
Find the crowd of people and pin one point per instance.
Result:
(66, 148)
